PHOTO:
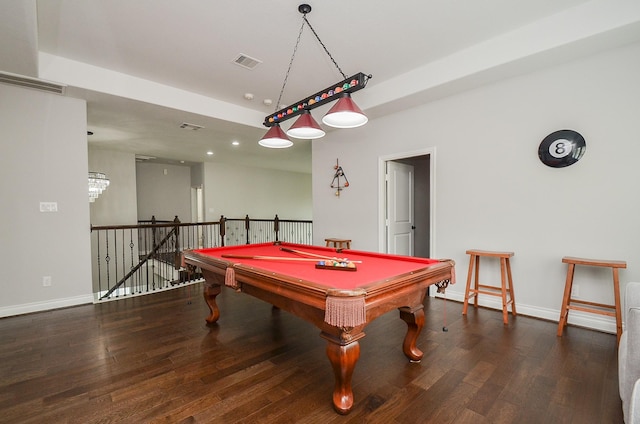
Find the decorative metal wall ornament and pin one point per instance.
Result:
(335, 183)
(562, 148)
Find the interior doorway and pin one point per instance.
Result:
(407, 188)
(197, 211)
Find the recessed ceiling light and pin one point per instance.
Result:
(235, 143)
(210, 153)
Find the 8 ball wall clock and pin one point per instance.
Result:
(562, 148)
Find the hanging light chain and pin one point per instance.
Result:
(304, 17)
(295, 49)
(286, 77)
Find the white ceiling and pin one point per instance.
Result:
(146, 66)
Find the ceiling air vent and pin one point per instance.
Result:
(188, 126)
(246, 61)
(34, 83)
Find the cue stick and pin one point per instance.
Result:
(276, 258)
(300, 252)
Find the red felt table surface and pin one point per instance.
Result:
(375, 267)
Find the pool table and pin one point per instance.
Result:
(339, 301)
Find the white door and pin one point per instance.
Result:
(400, 221)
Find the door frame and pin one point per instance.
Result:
(382, 195)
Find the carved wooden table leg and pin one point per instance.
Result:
(212, 288)
(210, 292)
(343, 351)
(343, 360)
(415, 321)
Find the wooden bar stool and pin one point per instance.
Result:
(593, 307)
(505, 288)
(338, 243)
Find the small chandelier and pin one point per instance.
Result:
(98, 182)
(344, 114)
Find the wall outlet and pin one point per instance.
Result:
(46, 281)
(575, 290)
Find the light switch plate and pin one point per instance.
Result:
(48, 206)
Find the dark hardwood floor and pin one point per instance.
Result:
(154, 359)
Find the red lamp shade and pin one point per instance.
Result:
(275, 138)
(306, 127)
(345, 114)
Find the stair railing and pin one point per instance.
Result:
(146, 257)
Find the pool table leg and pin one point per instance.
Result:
(211, 290)
(343, 358)
(414, 317)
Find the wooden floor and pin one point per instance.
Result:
(153, 359)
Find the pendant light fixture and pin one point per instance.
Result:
(275, 138)
(98, 182)
(305, 127)
(344, 114)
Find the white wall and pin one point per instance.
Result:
(117, 204)
(43, 139)
(492, 192)
(236, 191)
(164, 191)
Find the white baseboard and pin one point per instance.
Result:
(126, 293)
(27, 308)
(578, 318)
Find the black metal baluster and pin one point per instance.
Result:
(107, 259)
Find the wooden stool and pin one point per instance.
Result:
(338, 243)
(593, 307)
(505, 287)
